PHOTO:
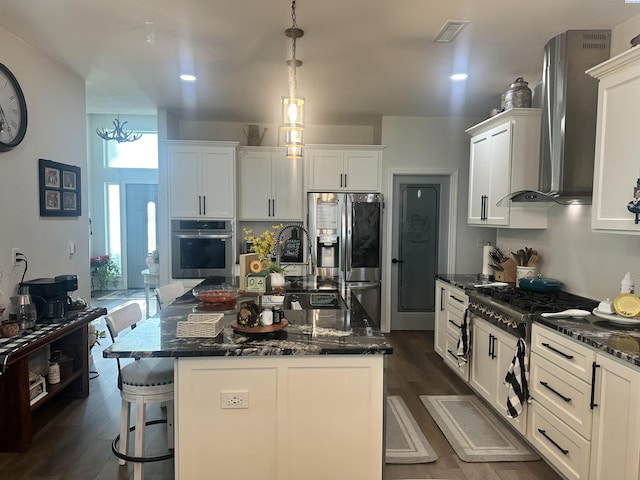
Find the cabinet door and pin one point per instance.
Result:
(287, 188)
(185, 182)
(617, 147)
(362, 171)
(505, 348)
(615, 441)
(500, 173)
(480, 162)
(440, 325)
(218, 183)
(255, 186)
(484, 366)
(326, 170)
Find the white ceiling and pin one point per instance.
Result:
(362, 58)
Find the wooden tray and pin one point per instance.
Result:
(276, 327)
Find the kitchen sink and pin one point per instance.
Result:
(314, 300)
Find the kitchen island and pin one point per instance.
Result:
(303, 402)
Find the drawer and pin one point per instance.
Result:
(568, 397)
(570, 355)
(456, 298)
(560, 445)
(451, 359)
(453, 322)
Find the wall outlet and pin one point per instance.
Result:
(236, 399)
(14, 255)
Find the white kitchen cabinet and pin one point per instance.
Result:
(293, 426)
(451, 303)
(504, 158)
(616, 166)
(492, 352)
(202, 179)
(615, 437)
(270, 185)
(349, 168)
(560, 415)
(584, 417)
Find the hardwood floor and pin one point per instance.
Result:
(73, 439)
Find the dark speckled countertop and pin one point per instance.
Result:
(310, 332)
(619, 341)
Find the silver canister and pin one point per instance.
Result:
(518, 95)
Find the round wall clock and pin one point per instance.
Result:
(13, 111)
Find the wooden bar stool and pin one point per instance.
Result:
(141, 382)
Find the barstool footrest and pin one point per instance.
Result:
(157, 458)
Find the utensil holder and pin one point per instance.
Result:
(508, 273)
(524, 272)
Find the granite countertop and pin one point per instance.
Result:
(310, 332)
(621, 342)
(466, 281)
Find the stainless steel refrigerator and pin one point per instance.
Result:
(346, 231)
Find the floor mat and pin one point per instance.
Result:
(476, 433)
(405, 442)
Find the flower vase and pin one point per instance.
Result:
(277, 280)
(153, 268)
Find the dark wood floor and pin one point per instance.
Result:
(73, 441)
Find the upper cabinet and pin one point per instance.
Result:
(504, 158)
(346, 168)
(270, 185)
(616, 166)
(202, 179)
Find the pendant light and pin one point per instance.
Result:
(119, 133)
(293, 106)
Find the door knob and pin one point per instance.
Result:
(395, 260)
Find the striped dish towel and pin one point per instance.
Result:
(517, 380)
(464, 345)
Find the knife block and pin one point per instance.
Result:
(508, 274)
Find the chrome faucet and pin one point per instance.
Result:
(276, 247)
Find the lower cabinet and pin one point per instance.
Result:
(451, 303)
(615, 434)
(584, 417)
(493, 352)
(311, 417)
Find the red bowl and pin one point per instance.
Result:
(216, 295)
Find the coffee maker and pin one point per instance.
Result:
(51, 296)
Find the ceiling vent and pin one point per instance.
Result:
(450, 31)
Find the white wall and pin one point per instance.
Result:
(588, 263)
(56, 131)
(233, 132)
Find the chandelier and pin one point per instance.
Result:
(293, 106)
(119, 133)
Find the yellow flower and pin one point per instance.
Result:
(264, 243)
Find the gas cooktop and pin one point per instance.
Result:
(512, 309)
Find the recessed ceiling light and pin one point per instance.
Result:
(459, 76)
(187, 77)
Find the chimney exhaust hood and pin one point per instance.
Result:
(569, 108)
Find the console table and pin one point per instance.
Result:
(71, 337)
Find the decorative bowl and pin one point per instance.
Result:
(217, 294)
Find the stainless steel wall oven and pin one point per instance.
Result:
(201, 248)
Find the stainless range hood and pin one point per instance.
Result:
(569, 107)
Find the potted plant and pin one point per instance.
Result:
(153, 259)
(104, 269)
(264, 245)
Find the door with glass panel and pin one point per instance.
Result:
(141, 224)
(420, 212)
